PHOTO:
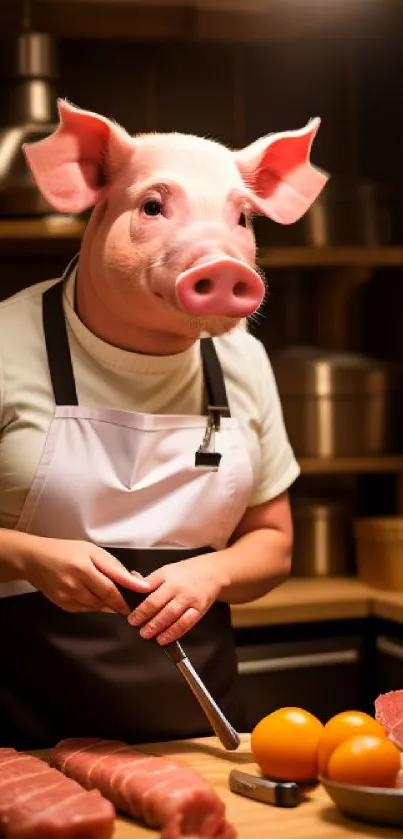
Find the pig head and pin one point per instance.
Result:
(170, 244)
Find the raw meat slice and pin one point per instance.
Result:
(17, 770)
(38, 802)
(399, 779)
(165, 793)
(389, 713)
(389, 708)
(4, 753)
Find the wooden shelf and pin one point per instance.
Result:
(351, 465)
(54, 236)
(305, 600)
(55, 227)
(64, 233)
(330, 257)
(319, 599)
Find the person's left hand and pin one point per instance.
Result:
(182, 593)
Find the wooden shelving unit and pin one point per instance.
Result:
(53, 236)
(64, 233)
(352, 465)
(387, 464)
(306, 257)
(53, 228)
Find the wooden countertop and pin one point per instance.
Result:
(305, 600)
(315, 818)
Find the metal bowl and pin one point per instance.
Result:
(379, 805)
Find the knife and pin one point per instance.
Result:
(278, 793)
(221, 726)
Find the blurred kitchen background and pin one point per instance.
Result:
(333, 319)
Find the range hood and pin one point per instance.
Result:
(28, 78)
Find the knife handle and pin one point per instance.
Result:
(278, 793)
(133, 599)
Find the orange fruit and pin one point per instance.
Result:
(342, 726)
(285, 745)
(365, 761)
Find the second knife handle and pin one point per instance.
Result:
(278, 793)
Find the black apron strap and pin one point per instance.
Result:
(61, 368)
(57, 346)
(214, 377)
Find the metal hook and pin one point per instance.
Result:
(206, 455)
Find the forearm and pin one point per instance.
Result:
(15, 547)
(254, 564)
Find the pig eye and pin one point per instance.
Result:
(242, 221)
(153, 207)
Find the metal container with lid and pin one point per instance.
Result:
(348, 212)
(28, 113)
(323, 537)
(338, 404)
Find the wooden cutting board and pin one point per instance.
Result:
(315, 818)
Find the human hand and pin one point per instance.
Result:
(182, 593)
(78, 576)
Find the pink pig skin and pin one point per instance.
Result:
(170, 246)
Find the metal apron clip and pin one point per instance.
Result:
(206, 454)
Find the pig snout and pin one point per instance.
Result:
(220, 286)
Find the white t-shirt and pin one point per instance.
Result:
(113, 378)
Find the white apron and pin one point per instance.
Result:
(151, 489)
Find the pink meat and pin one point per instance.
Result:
(164, 793)
(4, 753)
(399, 779)
(389, 713)
(38, 802)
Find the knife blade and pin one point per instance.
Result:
(225, 732)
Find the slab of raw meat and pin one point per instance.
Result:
(38, 802)
(399, 779)
(162, 792)
(389, 713)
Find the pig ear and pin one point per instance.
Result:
(277, 170)
(74, 166)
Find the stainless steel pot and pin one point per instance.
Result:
(339, 405)
(323, 537)
(27, 113)
(347, 213)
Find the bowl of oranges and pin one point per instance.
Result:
(351, 756)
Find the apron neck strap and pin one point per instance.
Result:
(57, 346)
(214, 377)
(61, 368)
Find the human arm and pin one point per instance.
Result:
(263, 538)
(75, 575)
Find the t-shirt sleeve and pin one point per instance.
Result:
(278, 465)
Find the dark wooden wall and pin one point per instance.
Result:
(231, 93)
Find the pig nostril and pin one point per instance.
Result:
(203, 287)
(240, 289)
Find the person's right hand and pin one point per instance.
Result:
(79, 576)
